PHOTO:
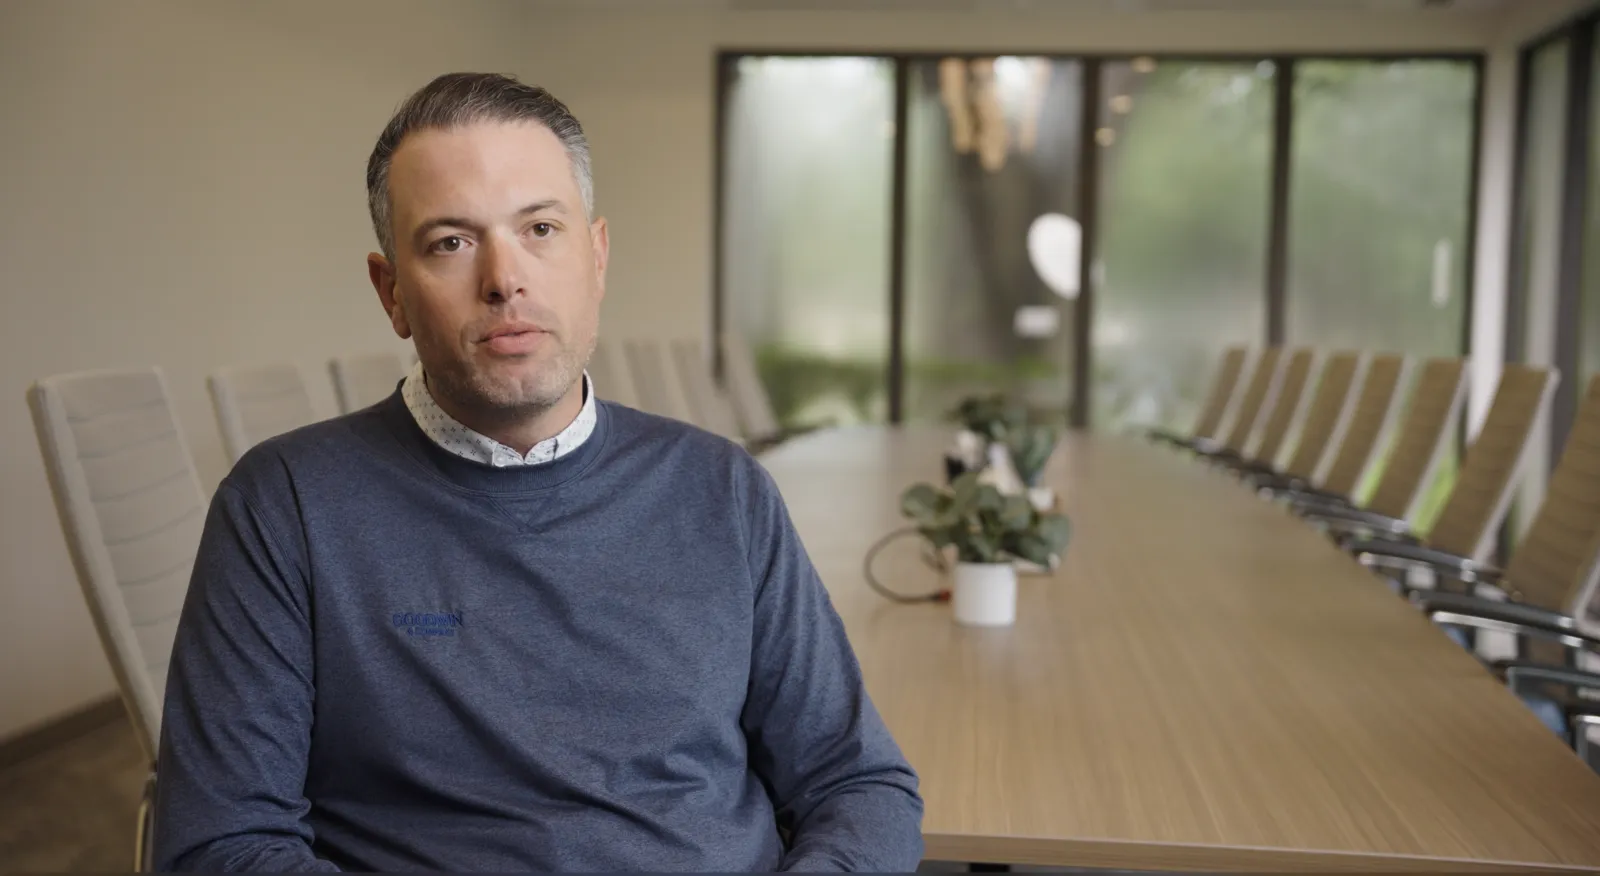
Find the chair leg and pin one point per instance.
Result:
(145, 827)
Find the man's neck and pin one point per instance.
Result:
(520, 429)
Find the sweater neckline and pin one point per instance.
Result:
(478, 477)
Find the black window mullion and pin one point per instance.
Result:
(897, 239)
(1277, 267)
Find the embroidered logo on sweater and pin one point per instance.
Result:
(428, 623)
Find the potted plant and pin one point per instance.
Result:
(988, 530)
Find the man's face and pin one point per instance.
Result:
(498, 273)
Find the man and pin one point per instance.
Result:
(494, 623)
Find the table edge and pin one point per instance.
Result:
(1144, 855)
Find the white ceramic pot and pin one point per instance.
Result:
(985, 594)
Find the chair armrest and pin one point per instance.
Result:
(1355, 522)
(1279, 482)
(1462, 610)
(1387, 554)
(1347, 514)
(1248, 468)
(1300, 496)
(1431, 601)
(1304, 504)
(1216, 452)
(1520, 671)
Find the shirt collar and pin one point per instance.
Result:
(445, 431)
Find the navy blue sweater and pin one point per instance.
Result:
(393, 658)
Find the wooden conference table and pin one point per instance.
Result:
(1205, 683)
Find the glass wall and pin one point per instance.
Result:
(1185, 169)
(1380, 211)
(993, 144)
(806, 230)
(994, 216)
(1380, 192)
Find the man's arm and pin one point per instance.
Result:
(839, 782)
(236, 729)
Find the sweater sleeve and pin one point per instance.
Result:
(837, 779)
(236, 729)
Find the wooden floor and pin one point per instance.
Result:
(72, 808)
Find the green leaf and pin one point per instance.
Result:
(920, 502)
(989, 498)
(1016, 514)
(938, 536)
(1032, 548)
(945, 512)
(964, 491)
(1055, 529)
(1030, 448)
(982, 552)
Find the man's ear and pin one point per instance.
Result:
(382, 275)
(600, 239)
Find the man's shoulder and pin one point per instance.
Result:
(676, 443)
(634, 426)
(333, 445)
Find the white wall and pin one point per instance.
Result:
(183, 185)
(1496, 175)
(1496, 217)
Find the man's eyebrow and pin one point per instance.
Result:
(551, 204)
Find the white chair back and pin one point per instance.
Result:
(363, 381)
(608, 368)
(655, 378)
(709, 405)
(131, 509)
(255, 402)
(751, 404)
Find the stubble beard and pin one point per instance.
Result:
(503, 398)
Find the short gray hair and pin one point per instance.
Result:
(457, 99)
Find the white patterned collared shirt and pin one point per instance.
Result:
(447, 432)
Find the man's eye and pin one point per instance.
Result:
(543, 229)
(449, 244)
